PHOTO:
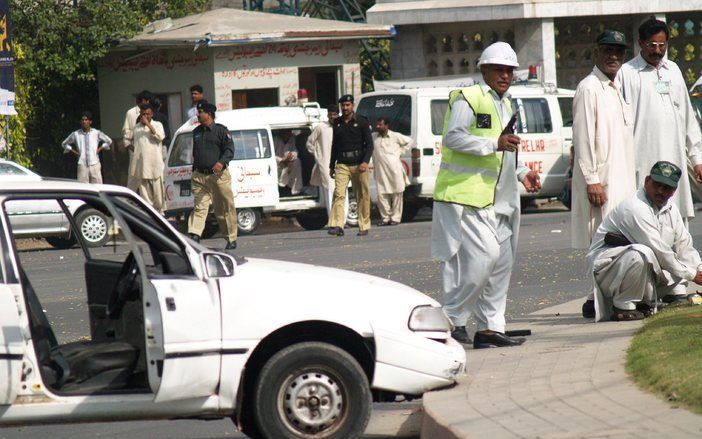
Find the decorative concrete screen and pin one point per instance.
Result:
(685, 44)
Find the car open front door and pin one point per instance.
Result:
(182, 321)
(11, 346)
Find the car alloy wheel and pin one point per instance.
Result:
(93, 227)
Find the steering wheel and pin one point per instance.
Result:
(126, 283)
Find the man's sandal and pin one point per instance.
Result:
(645, 309)
(625, 315)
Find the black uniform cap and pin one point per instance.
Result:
(346, 98)
(206, 107)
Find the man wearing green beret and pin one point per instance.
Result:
(642, 250)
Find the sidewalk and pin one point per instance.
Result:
(566, 381)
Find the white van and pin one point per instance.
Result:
(544, 124)
(254, 169)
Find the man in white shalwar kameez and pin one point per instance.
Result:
(476, 245)
(319, 145)
(131, 117)
(289, 164)
(146, 166)
(642, 250)
(665, 127)
(390, 175)
(603, 145)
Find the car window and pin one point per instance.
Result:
(248, 144)
(396, 108)
(438, 108)
(566, 106)
(8, 169)
(534, 115)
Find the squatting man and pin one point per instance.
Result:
(476, 201)
(642, 251)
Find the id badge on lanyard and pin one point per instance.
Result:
(663, 87)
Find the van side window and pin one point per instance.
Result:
(395, 107)
(534, 116)
(248, 144)
(438, 108)
(566, 106)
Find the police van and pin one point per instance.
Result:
(544, 123)
(254, 169)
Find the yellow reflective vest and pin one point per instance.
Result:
(465, 178)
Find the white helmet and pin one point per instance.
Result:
(499, 53)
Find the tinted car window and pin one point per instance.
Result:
(396, 108)
(248, 144)
(534, 116)
(566, 106)
(438, 110)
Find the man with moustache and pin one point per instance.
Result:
(603, 144)
(643, 250)
(475, 222)
(665, 127)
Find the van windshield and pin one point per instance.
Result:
(248, 144)
(396, 108)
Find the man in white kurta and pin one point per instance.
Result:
(319, 145)
(389, 172)
(653, 255)
(665, 127)
(477, 246)
(131, 118)
(146, 166)
(603, 142)
(289, 164)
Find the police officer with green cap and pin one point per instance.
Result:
(642, 252)
(213, 149)
(351, 151)
(475, 221)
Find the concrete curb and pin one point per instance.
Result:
(567, 381)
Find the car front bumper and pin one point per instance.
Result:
(412, 364)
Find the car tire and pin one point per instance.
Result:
(61, 242)
(330, 391)
(93, 226)
(247, 220)
(312, 221)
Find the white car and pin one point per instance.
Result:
(45, 219)
(179, 331)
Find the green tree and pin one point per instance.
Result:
(56, 74)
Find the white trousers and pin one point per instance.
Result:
(476, 279)
(390, 207)
(90, 174)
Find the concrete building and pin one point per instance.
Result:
(242, 59)
(437, 38)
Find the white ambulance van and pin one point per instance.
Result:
(254, 169)
(544, 125)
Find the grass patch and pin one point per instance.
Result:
(665, 356)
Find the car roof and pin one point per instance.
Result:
(59, 185)
(516, 90)
(261, 118)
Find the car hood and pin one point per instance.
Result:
(323, 291)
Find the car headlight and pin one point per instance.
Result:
(429, 318)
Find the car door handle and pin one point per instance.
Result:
(170, 304)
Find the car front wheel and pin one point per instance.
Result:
(312, 390)
(93, 227)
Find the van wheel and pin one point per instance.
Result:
(312, 389)
(247, 220)
(61, 242)
(352, 217)
(312, 221)
(93, 227)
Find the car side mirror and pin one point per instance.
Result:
(219, 265)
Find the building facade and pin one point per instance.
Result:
(558, 37)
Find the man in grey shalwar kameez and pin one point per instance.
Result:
(642, 250)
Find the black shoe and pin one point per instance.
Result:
(675, 299)
(383, 223)
(194, 237)
(589, 309)
(495, 340)
(362, 233)
(461, 335)
(338, 231)
(231, 245)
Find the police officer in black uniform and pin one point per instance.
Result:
(352, 148)
(211, 182)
